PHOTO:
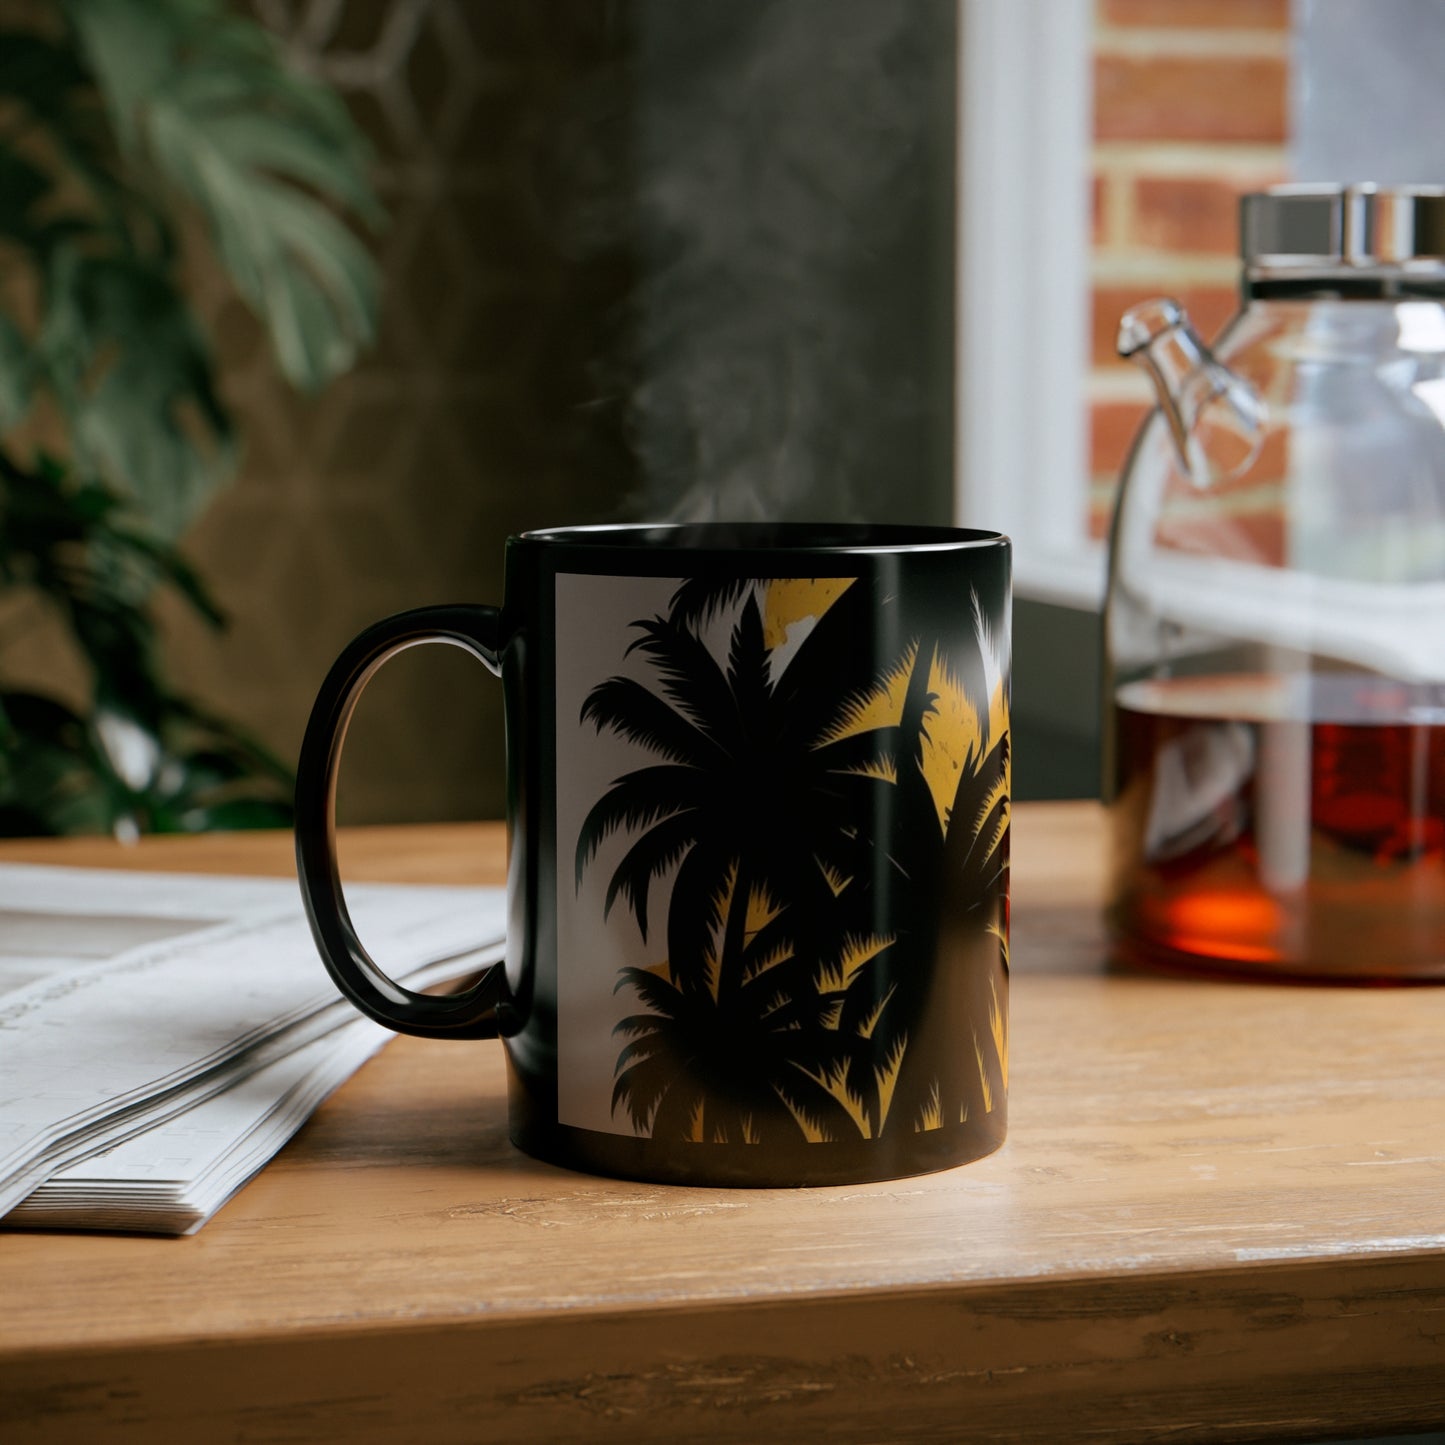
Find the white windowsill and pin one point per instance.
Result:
(1062, 578)
(1024, 129)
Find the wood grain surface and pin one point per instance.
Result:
(1220, 1214)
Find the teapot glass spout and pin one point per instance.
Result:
(1216, 418)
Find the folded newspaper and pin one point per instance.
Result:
(162, 1034)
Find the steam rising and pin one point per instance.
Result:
(790, 158)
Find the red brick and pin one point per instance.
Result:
(1209, 307)
(1217, 98)
(1198, 14)
(1097, 201)
(1221, 532)
(1112, 427)
(1187, 213)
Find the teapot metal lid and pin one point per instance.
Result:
(1339, 231)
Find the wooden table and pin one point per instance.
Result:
(1220, 1214)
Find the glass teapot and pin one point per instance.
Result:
(1275, 622)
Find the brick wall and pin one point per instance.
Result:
(1190, 111)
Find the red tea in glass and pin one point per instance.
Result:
(1281, 825)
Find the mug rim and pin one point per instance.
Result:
(830, 538)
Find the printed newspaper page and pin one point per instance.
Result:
(129, 998)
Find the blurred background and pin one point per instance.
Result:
(632, 259)
(643, 259)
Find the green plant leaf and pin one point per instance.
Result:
(17, 375)
(73, 545)
(46, 81)
(63, 773)
(128, 47)
(39, 73)
(208, 102)
(133, 376)
(50, 783)
(216, 732)
(22, 185)
(170, 566)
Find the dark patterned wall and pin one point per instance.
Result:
(646, 257)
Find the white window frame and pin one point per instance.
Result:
(1025, 123)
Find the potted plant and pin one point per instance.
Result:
(121, 122)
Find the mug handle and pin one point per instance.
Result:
(471, 1014)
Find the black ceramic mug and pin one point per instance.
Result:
(758, 807)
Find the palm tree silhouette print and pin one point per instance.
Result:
(794, 997)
